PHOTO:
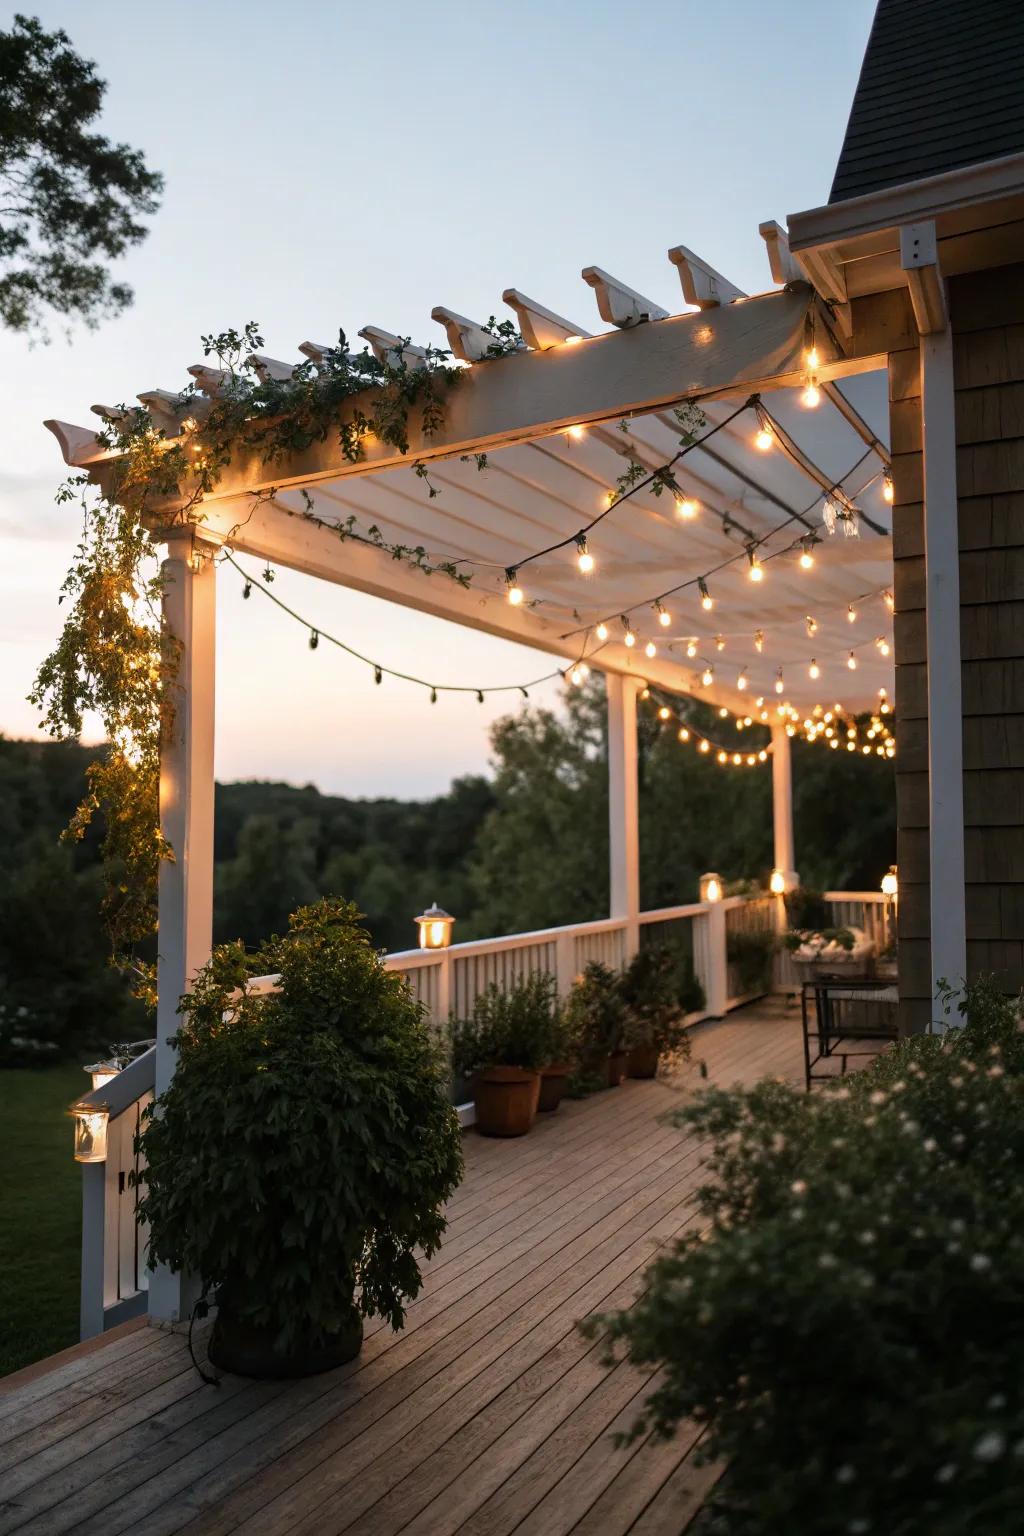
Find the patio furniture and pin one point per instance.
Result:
(845, 1018)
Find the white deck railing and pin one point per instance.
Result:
(114, 1277)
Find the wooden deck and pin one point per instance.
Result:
(488, 1415)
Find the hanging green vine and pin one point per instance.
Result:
(114, 657)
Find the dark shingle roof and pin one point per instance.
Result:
(941, 86)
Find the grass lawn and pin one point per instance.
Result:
(40, 1215)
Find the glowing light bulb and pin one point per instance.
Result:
(572, 341)
(851, 614)
(691, 648)
(759, 640)
(650, 650)
(515, 593)
(741, 681)
(883, 645)
(707, 602)
(686, 508)
(707, 677)
(664, 617)
(756, 572)
(890, 601)
(719, 642)
(806, 560)
(684, 734)
(705, 746)
(851, 662)
(577, 433)
(723, 713)
(779, 684)
(737, 758)
(811, 396)
(602, 632)
(585, 561)
(764, 438)
(576, 676)
(812, 625)
(630, 638)
(887, 487)
(813, 671)
(811, 358)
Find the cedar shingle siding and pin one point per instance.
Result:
(941, 86)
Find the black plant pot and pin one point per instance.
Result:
(246, 1350)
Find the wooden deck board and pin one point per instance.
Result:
(489, 1413)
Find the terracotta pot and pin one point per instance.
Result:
(617, 1067)
(246, 1350)
(554, 1080)
(643, 1061)
(506, 1100)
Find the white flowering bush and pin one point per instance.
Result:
(848, 1322)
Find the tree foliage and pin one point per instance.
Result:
(70, 199)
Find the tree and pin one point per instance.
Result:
(70, 199)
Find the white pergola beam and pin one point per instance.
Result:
(540, 327)
(623, 808)
(781, 261)
(469, 342)
(618, 304)
(735, 350)
(391, 349)
(700, 282)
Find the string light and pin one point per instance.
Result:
(664, 617)
(764, 438)
(888, 491)
(741, 681)
(851, 614)
(806, 561)
(602, 632)
(687, 508)
(513, 590)
(851, 662)
(707, 677)
(691, 648)
(719, 642)
(577, 433)
(664, 712)
(812, 626)
(630, 638)
(650, 650)
(584, 558)
(889, 601)
(756, 570)
(759, 640)
(780, 686)
(707, 602)
(813, 671)
(811, 395)
(883, 645)
(684, 734)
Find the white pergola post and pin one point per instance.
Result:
(185, 933)
(947, 891)
(623, 817)
(784, 852)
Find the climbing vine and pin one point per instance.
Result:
(114, 658)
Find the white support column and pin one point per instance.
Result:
(782, 805)
(942, 634)
(623, 818)
(185, 933)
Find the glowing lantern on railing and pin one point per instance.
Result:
(777, 883)
(891, 884)
(102, 1072)
(90, 1132)
(710, 887)
(435, 925)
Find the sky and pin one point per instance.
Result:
(347, 164)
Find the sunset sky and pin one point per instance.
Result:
(343, 164)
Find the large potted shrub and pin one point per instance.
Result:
(300, 1158)
(502, 1046)
(654, 1017)
(597, 1017)
(842, 1325)
(562, 1052)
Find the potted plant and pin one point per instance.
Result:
(299, 1160)
(502, 1047)
(556, 1074)
(750, 953)
(597, 1018)
(654, 1024)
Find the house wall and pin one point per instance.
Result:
(987, 313)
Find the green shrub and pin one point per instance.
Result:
(301, 1155)
(847, 1326)
(806, 909)
(597, 1016)
(751, 952)
(649, 986)
(518, 1027)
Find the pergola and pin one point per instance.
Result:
(559, 419)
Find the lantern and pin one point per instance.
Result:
(777, 883)
(891, 884)
(710, 887)
(102, 1072)
(435, 925)
(90, 1132)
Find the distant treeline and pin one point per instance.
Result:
(526, 848)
